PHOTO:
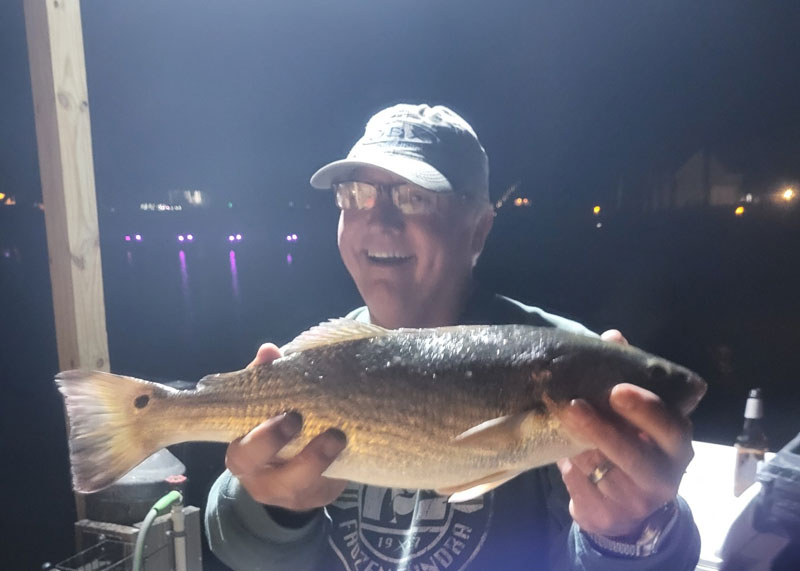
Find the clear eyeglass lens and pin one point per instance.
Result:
(412, 200)
(359, 195)
(408, 198)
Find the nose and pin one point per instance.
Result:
(385, 213)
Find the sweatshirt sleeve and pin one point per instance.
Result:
(242, 534)
(571, 550)
(680, 550)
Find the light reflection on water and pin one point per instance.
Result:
(184, 275)
(185, 290)
(234, 275)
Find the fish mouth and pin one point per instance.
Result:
(387, 257)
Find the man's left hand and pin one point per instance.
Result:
(637, 463)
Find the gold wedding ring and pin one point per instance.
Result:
(599, 472)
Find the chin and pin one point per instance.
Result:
(390, 307)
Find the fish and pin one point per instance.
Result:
(458, 409)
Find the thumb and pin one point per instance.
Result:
(267, 353)
(614, 336)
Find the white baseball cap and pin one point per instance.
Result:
(432, 147)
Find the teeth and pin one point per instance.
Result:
(386, 255)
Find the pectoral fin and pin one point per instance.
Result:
(470, 490)
(498, 432)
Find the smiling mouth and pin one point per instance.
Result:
(387, 258)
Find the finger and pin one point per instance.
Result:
(298, 484)
(309, 464)
(267, 353)
(671, 432)
(617, 444)
(615, 485)
(614, 336)
(258, 447)
(590, 510)
(272, 487)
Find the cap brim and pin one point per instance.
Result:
(413, 170)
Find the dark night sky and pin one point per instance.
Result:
(246, 98)
(249, 97)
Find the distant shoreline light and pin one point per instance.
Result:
(160, 207)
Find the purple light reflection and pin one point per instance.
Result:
(289, 259)
(184, 274)
(234, 274)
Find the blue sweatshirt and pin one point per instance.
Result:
(521, 525)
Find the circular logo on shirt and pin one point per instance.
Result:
(382, 529)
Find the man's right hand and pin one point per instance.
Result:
(296, 484)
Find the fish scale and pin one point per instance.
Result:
(453, 408)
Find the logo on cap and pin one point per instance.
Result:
(399, 134)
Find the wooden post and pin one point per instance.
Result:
(63, 134)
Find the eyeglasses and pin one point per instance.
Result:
(408, 198)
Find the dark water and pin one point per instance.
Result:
(715, 293)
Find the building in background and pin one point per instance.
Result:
(701, 180)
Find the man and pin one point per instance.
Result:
(415, 214)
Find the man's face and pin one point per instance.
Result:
(411, 270)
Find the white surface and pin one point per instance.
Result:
(707, 486)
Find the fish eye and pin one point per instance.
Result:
(657, 372)
(141, 401)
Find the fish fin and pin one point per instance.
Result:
(497, 432)
(211, 381)
(471, 490)
(107, 415)
(331, 332)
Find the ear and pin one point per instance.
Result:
(481, 232)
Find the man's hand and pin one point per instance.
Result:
(639, 458)
(295, 484)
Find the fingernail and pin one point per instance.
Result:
(621, 399)
(576, 412)
(291, 424)
(334, 442)
(622, 403)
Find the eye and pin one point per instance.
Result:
(418, 197)
(657, 372)
(141, 401)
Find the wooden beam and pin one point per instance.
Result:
(66, 168)
(64, 139)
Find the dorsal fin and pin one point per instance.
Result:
(215, 380)
(331, 332)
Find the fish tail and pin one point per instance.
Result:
(108, 418)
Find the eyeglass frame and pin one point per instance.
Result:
(392, 190)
